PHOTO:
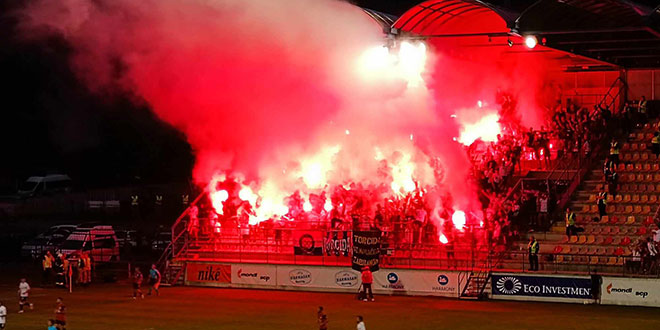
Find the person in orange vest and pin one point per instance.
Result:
(367, 280)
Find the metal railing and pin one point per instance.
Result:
(623, 265)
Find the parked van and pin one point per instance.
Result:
(99, 241)
(44, 185)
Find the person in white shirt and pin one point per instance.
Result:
(360, 323)
(23, 294)
(3, 315)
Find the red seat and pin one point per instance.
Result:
(641, 231)
(618, 252)
(625, 241)
(608, 240)
(557, 249)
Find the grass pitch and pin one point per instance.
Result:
(109, 306)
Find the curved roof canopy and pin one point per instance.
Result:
(450, 17)
(619, 32)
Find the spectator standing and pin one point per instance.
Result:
(47, 265)
(614, 152)
(86, 268)
(655, 143)
(137, 283)
(367, 280)
(642, 106)
(360, 323)
(3, 315)
(613, 184)
(60, 314)
(570, 222)
(542, 210)
(154, 280)
(533, 249)
(602, 203)
(652, 256)
(23, 295)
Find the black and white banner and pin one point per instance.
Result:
(510, 286)
(366, 249)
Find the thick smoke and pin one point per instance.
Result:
(282, 94)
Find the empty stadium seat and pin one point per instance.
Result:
(591, 239)
(646, 209)
(631, 220)
(625, 241)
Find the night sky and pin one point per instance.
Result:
(52, 123)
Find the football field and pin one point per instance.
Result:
(109, 306)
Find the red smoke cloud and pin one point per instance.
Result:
(276, 93)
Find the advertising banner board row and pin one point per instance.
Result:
(320, 278)
(630, 291)
(558, 288)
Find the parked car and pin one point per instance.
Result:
(126, 238)
(45, 185)
(48, 240)
(161, 241)
(99, 241)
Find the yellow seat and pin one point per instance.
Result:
(635, 199)
(653, 199)
(637, 209)
(626, 198)
(631, 220)
(586, 208)
(605, 219)
(611, 261)
(618, 199)
(591, 239)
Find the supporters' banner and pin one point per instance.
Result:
(253, 274)
(308, 243)
(437, 283)
(337, 243)
(208, 274)
(366, 249)
(507, 286)
(630, 291)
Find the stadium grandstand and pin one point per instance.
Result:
(595, 149)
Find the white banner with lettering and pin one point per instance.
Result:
(341, 279)
(630, 291)
(255, 274)
(333, 278)
(426, 282)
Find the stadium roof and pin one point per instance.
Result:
(607, 32)
(615, 31)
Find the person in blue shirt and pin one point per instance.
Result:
(51, 325)
(154, 280)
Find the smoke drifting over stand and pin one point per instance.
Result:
(281, 96)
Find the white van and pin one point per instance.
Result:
(49, 184)
(99, 241)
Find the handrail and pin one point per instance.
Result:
(614, 83)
